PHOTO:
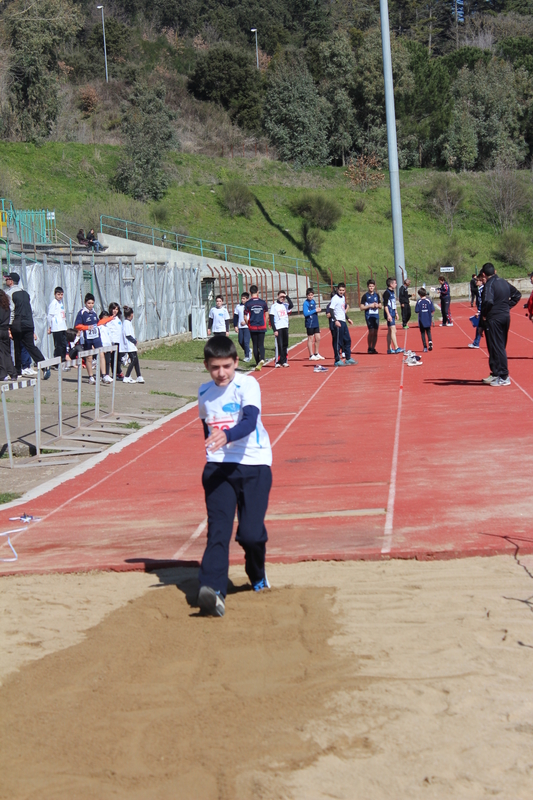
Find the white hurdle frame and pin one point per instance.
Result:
(90, 354)
(10, 387)
(46, 364)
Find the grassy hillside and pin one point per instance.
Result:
(75, 180)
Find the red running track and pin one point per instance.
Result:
(378, 460)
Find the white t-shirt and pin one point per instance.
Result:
(218, 317)
(281, 315)
(57, 319)
(104, 336)
(127, 328)
(239, 312)
(222, 407)
(338, 304)
(114, 326)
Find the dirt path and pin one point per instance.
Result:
(368, 680)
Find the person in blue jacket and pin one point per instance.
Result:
(425, 310)
(312, 327)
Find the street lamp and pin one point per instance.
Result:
(254, 30)
(105, 51)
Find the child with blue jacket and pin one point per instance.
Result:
(312, 327)
(425, 310)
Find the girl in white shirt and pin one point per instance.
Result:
(114, 326)
(130, 346)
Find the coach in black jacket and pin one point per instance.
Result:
(22, 327)
(499, 297)
(404, 298)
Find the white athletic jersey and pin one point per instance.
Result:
(104, 336)
(338, 304)
(127, 346)
(280, 313)
(222, 407)
(239, 312)
(57, 319)
(114, 326)
(218, 317)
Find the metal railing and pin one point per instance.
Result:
(159, 237)
(31, 227)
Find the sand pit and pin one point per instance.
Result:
(347, 680)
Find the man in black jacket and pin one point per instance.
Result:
(22, 327)
(404, 298)
(499, 297)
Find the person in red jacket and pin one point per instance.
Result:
(529, 304)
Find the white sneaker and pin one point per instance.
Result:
(319, 357)
(277, 366)
(286, 364)
(488, 380)
(313, 358)
(246, 360)
(501, 382)
(66, 367)
(140, 379)
(28, 372)
(128, 380)
(92, 379)
(107, 379)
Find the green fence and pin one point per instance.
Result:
(31, 227)
(159, 237)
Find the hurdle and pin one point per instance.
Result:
(11, 387)
(47, 364)
(90, 354)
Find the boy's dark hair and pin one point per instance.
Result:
(88, 296)
(422, 292)
(218, 297)
(245, 294)
(371, 280)
(128, 311)
(220, 347)
(71, 334)
(489, 269)
(442, 278)
(310, 291)
(253, 289)
(341, 285)
(282, 291)
(390, 281)
(474, 275)
(58, 289)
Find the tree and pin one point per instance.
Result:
(365, 172)
(295, 118)
(37, 31)
(148, 133)
(445, 198)
(228, 76)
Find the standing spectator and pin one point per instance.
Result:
(474, 294)
(312, 327)
(425, 310)
(499, 297)
(445, 300)
(256, 315)
(279, 321)
(389, 306)
(479, 300)
(87, 321)
(130, 346)
(57, 323)
(114, 327)
(22, 327)
(370, 304)
(241, 328)
(405, 302)
(7, 368)
(529, 304)
(218, 318)
(342, 343)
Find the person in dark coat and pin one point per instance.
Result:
(7, 368)
(405, 304)
(473, 290)
(22, 327)
(499, 296)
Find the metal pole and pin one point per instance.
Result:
(97, 387)
(105, 49)
(394, 173)
(60, 399)
(254, 30)
(6, 425)
(37, 409)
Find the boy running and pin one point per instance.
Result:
(218, 318)
(241, 328)
(370, 304)
(279, 322)
(312, 327)
(256, 315)
(342, 342)
(237, 476)
(389, 305)
(425, 310)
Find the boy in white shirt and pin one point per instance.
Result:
(57, 323)
(218, 318)
(241, 327)
(341, 335)
(279, 322)
(237, 475)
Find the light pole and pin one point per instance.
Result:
(254, 30)
(105, 51)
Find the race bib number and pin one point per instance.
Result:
(221, 423)
(92, 333)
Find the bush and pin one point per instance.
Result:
(318, 210)
(445, 198)
(503, 197)
(160, 214)
(88, 99)
(237, 199)
(512, 248)
(359, 205)
(312, 239)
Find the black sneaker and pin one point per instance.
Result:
(211, 603)
(430, 346)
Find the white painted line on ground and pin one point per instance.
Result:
(198, 532)
(389, 520)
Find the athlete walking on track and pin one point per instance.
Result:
(499, 296)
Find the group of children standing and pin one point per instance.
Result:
(91, 331)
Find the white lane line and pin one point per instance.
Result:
(300, 412)
(389, 520)
(199, 530)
